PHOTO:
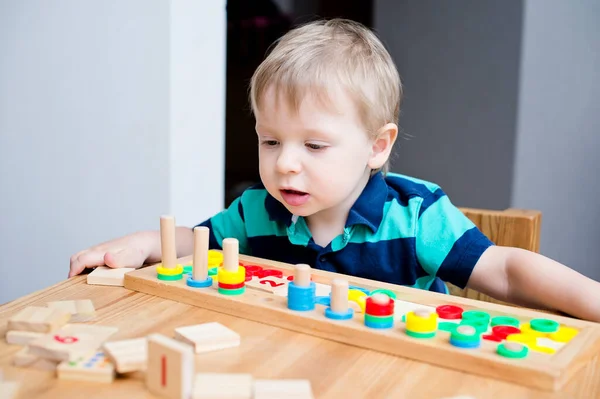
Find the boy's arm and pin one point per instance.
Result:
(529, 279)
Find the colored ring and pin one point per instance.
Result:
(199, 283)
(165, 271)
(503, 351)
(366, 291)
(465, 345)
(505, 321)
(339, 316)
(323, 300)
(526, 329)
(447, 326)
(544, 325)
(227, 277)
(372, 324)
(188, 269)
(301, 298)
(213, 271)
(358, 297)
(480, 325)
(251, 270)
(564, 334)
(238, 291)
(269, 273)
(215, 257)
(449, 312)
(504, 331)
(476, 315)
(492, 337)
(169, 278)
(379, 310)
(419, 324)
(522, 338)
(384, 291)
(231, 286)
(459, 336)
(378, 319)
(419, 334)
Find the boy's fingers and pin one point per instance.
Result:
(127, 257)
(85, 259)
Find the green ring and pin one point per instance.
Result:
(502, 351)
(213, 271)
(457, 336)
(480, 325)
(403, 318)
(237, 291)
(544, 325)
(476, 315)
(384, 291)
(379, 319)
(187, 269)
(447, 326)
(505, 321)
(419, 335)
(169, 278)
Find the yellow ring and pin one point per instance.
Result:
(215, 258)
(526, 329)
(420, 324)
(358, 297)
(227, 277)
(167, 271)
(542, 349)
(526, 339)
(564, 334)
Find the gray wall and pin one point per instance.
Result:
(557, 163)
(502, 106)
(96, 133)
(459, 61)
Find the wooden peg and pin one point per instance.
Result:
(167, 242)
(200, 263)
(231, 254)
(302, 275)
(339, 296)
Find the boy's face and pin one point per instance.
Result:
(315, 161)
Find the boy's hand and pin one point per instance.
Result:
(129, 251)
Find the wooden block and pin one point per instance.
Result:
(94, 367)
(207, 337)
(271, 284)
(24, 358)
(103, 275)
(81, 310)
(222, 386)
(71, 341)
(276, 389)
(15, 337)
(170, 371)
(128, 355)
(38, 319)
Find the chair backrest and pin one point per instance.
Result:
(512, 227)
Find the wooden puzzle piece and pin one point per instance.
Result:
(276, 389)
(24, 358)
(170, 370)
(93, 367)
(81, 310)
(208, 337)
(128, 355)
(222, 386)
(16, 337)
(71, 341)
(104, 275)
(38, 319)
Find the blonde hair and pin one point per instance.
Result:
(314, 57)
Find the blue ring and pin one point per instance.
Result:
(466, 345)
(301, 298)
(371, 324)
(339, 316)
(323, 300)
(199, 284)
(366, 291)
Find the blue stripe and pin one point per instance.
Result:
(241, 211)
(463, 256)
(430, 200)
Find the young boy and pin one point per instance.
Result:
(326, 102)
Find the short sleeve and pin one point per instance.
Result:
(448, 244)
(228, 223)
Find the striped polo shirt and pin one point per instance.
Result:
(401, 230)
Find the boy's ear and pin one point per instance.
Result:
(382, 145)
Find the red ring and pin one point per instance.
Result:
(269, 273)
(231, 286)
(492, 337)
(449, 312)
(375, 309)
(504, 331)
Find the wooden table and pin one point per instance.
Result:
(335, 370)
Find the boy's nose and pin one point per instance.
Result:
(288, 162)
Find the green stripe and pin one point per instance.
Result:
(229, 224)
(258, 223)
(429, 185)
(438, 228)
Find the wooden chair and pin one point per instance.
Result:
(512, 227)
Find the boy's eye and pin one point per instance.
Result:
(270, 143)
(313, 146)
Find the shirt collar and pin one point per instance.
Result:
(367, 210)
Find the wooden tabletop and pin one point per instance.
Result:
(335, 370)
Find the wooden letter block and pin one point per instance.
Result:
(15, 337)
(276, 389)
(128, 355)
(80, 310)
(71, 341)
(170, 370)
(208, 337)
(38, 319)
(104, 275)
(94, 367)
(222, 386)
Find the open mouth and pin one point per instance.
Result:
(294, 197)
